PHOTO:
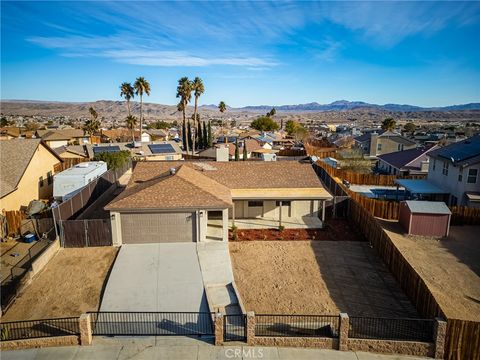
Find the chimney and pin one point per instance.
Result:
(373, 143)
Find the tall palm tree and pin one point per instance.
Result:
(199, 89)
(131, 124)
(92, 126)
(184, 92)
(141, 87)
(128, 92)
(222, 107)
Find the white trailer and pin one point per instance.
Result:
(71, 181)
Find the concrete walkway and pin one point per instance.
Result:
(155, 277)
(181, 348)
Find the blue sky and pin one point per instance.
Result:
(247, 53)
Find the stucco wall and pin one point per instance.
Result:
(298, 208)
(29, 189)
(392, 347)
(39, 343)
(450, 182)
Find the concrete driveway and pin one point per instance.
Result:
(156, 277)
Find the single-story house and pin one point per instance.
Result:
(27, 167)
(406, 162)
(265, 154)
(193, 201)
(13, 132)
(252, 145)
(63, 137)
(148, 151)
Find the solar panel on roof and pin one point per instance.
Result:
(161, 148)
(102, 149)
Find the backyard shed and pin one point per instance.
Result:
(427, 218)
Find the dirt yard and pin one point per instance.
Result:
(316, 277)
(70, 284)
(450, 267)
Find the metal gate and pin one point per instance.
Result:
(235, 327)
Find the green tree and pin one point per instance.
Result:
(189, 134)
(114, 160)
(4, 122)
(205, 136)
(184, 92)
(199, 137)
(222, 107)
(141, 86)
(389, 124)
(264, 123)
(198, 89)
(245, 152)
(160, 124)
(128, 92)
(210, 135)
(271, 113)
(409, 127)
(131, 122)
(92, 125)
(237, 152)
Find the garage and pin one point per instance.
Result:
(142, 228)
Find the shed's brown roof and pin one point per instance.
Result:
(186, 189)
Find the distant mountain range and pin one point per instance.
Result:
(354, 105)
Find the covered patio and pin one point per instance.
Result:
(306, 222)
(422, 189)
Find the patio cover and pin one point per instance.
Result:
(420, 186)
(281, 194)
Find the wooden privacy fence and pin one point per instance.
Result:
(68, 163)
(321, 152)
(365, 179)
(462, 215)
(85, 233)
(14, 221)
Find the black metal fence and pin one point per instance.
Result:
(16, 330)
(235, 327)
(11, 284)
(297, 325)
(152, 323)
(391, 329)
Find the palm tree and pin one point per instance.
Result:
(128, 92)
(141, 87)
(92, 126)
(222, 107)
(131, 124)
(199, 89)
(184, 92)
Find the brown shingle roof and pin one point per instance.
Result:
(240, 174)
(63, 134)
(15, 155)
(186, 189)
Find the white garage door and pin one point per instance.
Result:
(138, 228)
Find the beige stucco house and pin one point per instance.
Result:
(26, 172)
(198, 201)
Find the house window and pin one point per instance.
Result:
(49, 178)
(40, 181)
(434, 163)
(284, 203)
(379, 146)
(472, 176)
(445, 168)
(255, 203)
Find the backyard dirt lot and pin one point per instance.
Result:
(70, 284)
(316, 277)
(450, 267)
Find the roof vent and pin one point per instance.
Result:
(173, 171)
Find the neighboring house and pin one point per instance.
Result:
(456, 169)
(265, 154)
(383, 142)
(252, 145)
(72, 152)
(407, 162)
(63, 137)
(27, 167)
(148, 151)
(158, 134)
(192, 201)
(13, 132)
(117, 135)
